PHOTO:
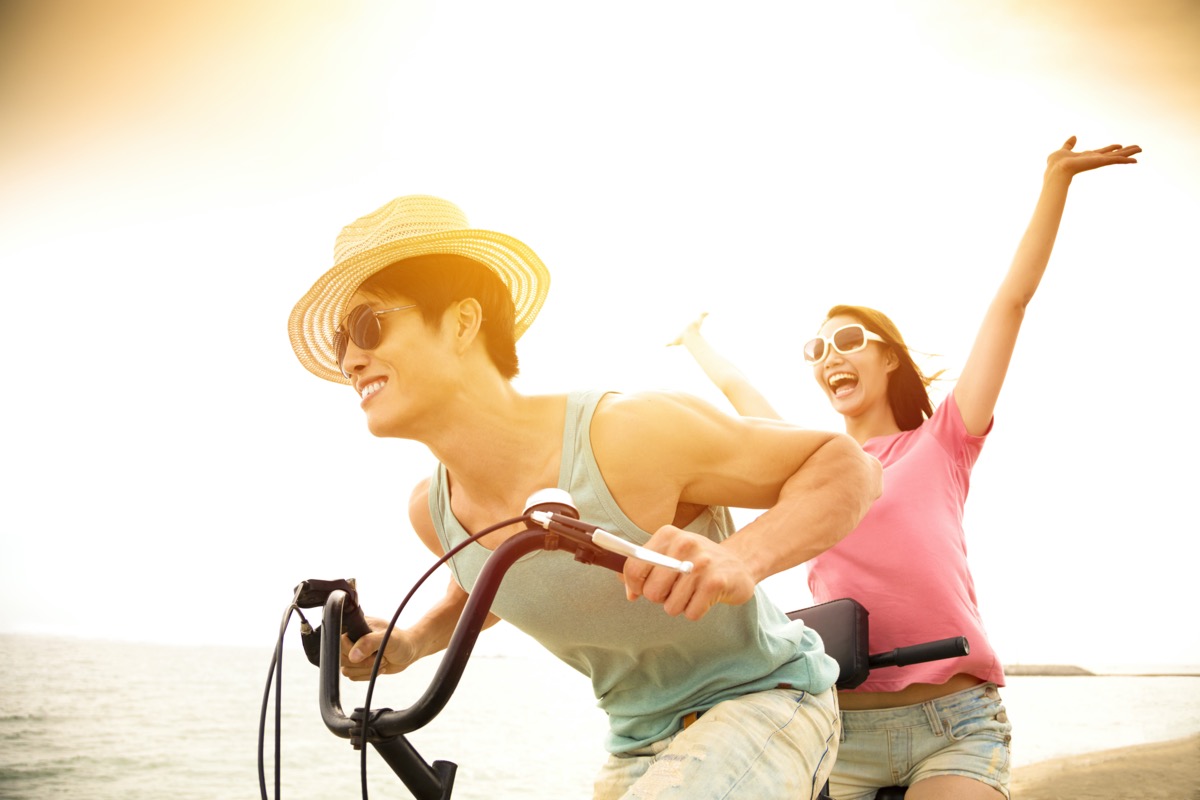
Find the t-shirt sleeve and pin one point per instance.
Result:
(948, 428)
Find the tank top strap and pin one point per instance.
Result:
(581, 406)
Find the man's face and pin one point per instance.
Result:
(400, 380)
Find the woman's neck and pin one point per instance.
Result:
(879, 421)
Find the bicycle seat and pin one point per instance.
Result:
(842, 625)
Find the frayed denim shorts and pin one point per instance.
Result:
(966, 734)
(774, 745)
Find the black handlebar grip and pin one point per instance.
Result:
(953, 647)
(354, 622)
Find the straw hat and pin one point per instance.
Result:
(409, 226)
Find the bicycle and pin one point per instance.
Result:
(551, 524)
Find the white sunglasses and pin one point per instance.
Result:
(846, 339)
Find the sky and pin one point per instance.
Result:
(173, 176)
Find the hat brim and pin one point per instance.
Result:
(315, 319)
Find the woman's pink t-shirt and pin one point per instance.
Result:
(906, 562)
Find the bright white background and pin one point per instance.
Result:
(174, 175)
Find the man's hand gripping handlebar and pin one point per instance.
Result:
(553, 510)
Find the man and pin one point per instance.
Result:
(710, 690)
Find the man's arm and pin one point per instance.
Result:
(430, 634)
(660, 452)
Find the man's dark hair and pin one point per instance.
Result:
(436, 281)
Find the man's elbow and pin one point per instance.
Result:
(875, 479)
(863, 471)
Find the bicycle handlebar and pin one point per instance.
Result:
(552, 523)
(386, 728)
(953, 647)
(557, 528)
(388, 723)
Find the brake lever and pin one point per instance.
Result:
(567, 526)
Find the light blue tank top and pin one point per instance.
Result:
(647, 669)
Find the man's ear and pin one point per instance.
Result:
(468, 320)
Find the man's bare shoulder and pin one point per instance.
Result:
(658, 435)
(664, 413)
(418, 500)
(649, 407)
(420, 517)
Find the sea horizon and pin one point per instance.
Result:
(104, 720)
(528, 648)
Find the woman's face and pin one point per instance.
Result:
(854, 382)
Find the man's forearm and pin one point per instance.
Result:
(433, 631)
(818, 506)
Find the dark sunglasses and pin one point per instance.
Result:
(362, 327)
(846, 339)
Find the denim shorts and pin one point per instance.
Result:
(965, 734)
(778, 744)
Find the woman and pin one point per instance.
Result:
(939, 727)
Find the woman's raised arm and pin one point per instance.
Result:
(746, 400)
(983, 375)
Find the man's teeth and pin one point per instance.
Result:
(372, 388)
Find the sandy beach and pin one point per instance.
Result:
(1159, 771)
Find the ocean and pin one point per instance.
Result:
(103, 720)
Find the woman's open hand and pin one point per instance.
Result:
(1069, 162)
(692, 328)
